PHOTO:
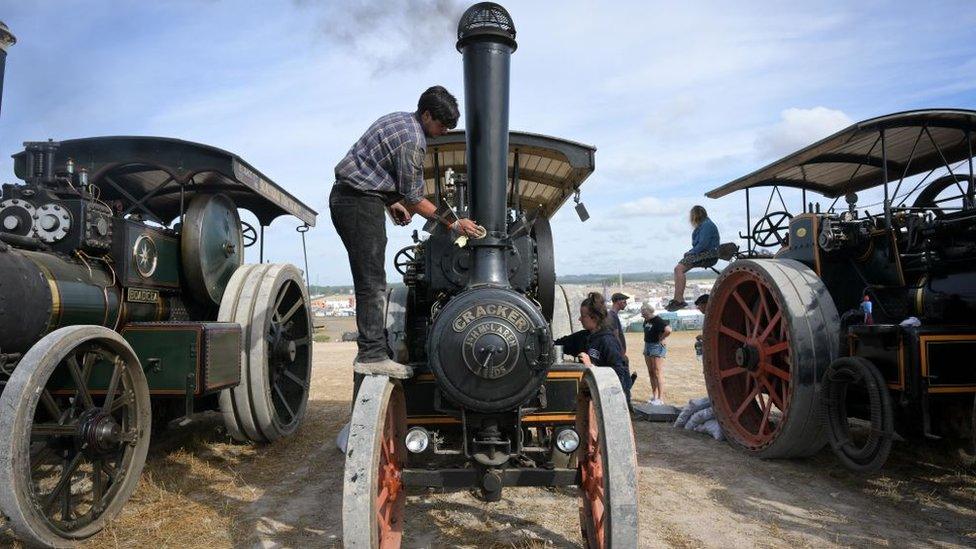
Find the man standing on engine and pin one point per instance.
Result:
(384, 171)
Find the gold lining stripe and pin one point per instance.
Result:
(55, 319)
(920, 295)
(447, 420)
(923, 342)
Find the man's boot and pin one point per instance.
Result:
(385, 367)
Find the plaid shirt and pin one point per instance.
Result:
(388, 159)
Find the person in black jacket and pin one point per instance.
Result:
(596, 344)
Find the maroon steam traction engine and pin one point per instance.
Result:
(490, 405)
(863, 322)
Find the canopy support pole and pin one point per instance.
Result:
(972, 189)
(261, 249)
(884, 171)
(437, 179)
(516, 187)
(308, 279)
(803, 194)
(182, 208)
(748, 228)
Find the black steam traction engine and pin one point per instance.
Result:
(794, 355)
(125, 303)
(490, 405)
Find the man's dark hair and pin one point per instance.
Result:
(441, 105)
(702, 299)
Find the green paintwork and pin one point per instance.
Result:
(80, 291)
(172, 353)
(168, 353)
(167, 272)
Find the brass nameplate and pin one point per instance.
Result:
(141, 295)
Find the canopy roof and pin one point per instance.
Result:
(151, 170)
(550, 169)
(852, 159)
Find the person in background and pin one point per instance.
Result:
(705, 241)
(596, 344)
(618, 302)
(868, 309)
(656, 330)
(701, 304)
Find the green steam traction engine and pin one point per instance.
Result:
(125, 303)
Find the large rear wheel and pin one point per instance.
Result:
(770, 332)
(271, 304)
(373, 495)
(607, 459)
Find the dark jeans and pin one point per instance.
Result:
(623, 374)
(360, 220)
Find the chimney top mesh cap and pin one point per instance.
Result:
(486, 20)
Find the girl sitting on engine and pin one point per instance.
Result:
(596, 344)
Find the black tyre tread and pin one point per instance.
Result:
(809, 436)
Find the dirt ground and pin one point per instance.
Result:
(199, 490)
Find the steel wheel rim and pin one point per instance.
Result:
(593, 478)
(82, 439)
(289, 353)
(750, 359)
(391, 495)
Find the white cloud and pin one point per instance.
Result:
(798, 128)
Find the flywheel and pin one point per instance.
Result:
(211, 246)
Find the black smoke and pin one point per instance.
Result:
(389, 35)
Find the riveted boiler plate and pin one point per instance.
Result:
(211, 246)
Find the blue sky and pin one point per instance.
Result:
(678, 98)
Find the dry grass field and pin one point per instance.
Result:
(199, 490)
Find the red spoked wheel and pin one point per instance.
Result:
(607, 458)
(374, 496)
(770, 333)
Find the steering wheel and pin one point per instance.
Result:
(772, 229)
(404, 258)
(249, 234)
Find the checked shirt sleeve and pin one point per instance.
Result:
(410, 172)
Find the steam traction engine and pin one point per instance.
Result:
(490, 405)
(861, 324)
(124, 304)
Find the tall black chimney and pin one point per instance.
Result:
(486, 40)
(6, 40)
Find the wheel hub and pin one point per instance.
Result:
(99, 433)
(284, 350)
(748, 356)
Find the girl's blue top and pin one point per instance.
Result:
(704, 238)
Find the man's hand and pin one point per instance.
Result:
(585, 359)
(468, 228)
(401, 216)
